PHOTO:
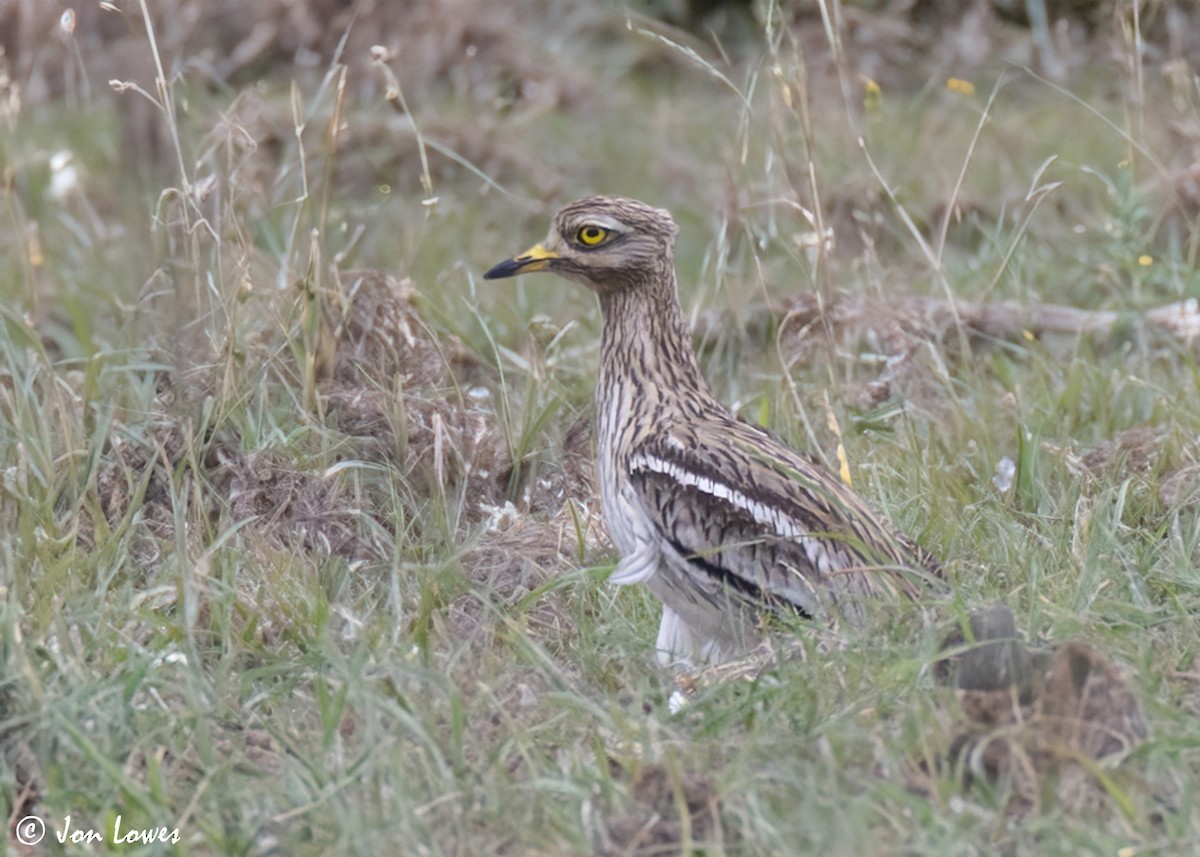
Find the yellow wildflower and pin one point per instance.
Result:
(962, 87)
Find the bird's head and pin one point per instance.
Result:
(607, 243)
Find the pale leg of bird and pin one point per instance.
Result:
(675, 640)
(712, 652)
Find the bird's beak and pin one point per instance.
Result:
(536, 258)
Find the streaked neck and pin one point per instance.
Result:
(646, 344)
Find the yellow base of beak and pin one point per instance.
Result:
(536, 258)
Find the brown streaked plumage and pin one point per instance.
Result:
(718, 518)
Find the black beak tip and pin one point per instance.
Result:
(507, 268)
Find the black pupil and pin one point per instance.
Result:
(591, 233)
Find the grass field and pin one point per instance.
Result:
(299, 548)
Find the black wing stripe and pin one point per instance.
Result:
(733, 581)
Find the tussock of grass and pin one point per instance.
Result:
(300, 547)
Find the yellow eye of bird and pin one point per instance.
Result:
(591, 236)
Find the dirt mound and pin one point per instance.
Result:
(397, 388)
(1050, 722)
(404, 397)
(666, 812)
(1148, 452)
(144, 473)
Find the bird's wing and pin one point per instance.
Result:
(753, 515)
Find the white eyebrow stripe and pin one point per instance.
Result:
(604, 221)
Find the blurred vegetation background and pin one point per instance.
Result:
(299, 548)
